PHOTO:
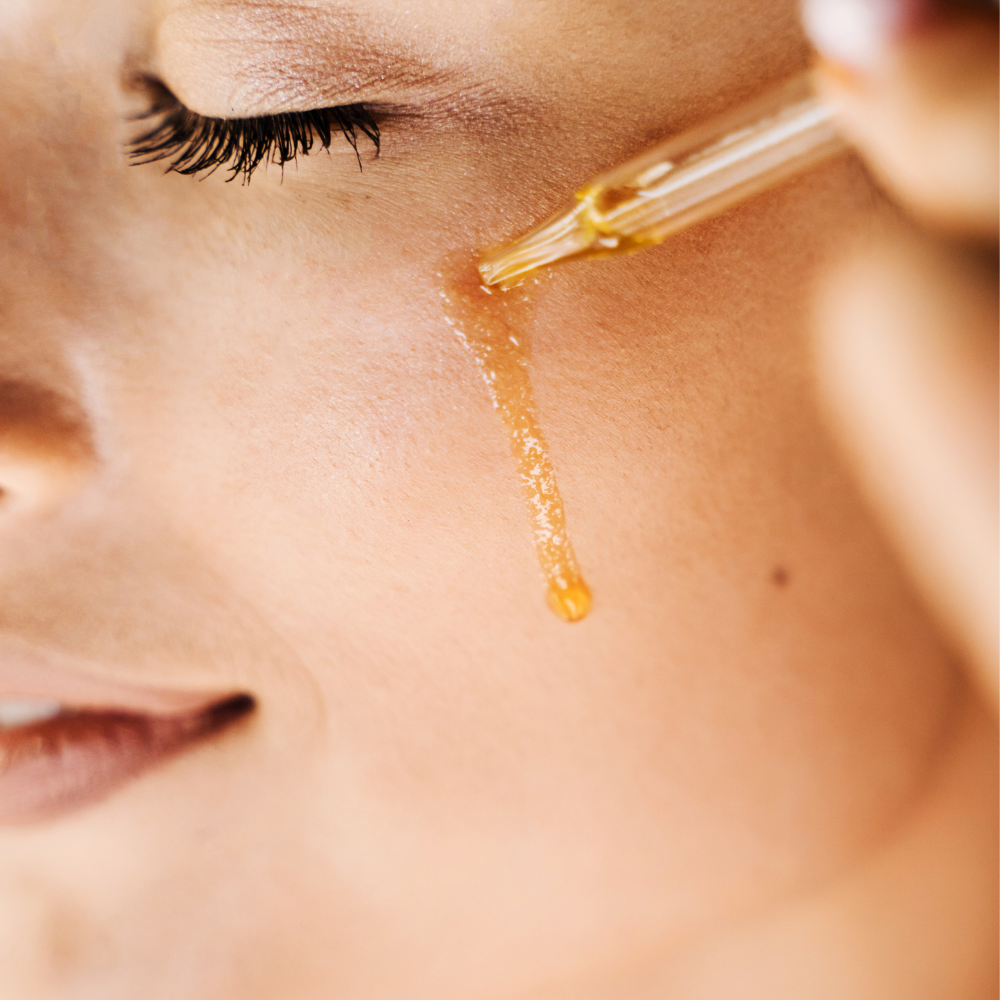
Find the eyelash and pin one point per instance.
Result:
(193, 143)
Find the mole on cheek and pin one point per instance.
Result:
(495, 327)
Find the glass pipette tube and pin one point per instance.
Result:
(690, 177)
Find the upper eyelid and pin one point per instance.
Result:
(258, 58)
(255, 57)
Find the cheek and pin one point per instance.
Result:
(332, 449)
(313, 428)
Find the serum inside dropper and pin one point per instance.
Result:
(495, 327)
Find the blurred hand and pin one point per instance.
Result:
(907, 328)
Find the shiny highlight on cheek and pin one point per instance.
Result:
(495, 327)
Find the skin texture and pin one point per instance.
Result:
(276, 471)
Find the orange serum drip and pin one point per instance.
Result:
(494, 325)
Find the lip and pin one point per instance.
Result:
(107, 734)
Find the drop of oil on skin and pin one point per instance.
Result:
(495, 326)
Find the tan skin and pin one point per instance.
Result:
(251, 457)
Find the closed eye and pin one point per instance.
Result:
(190, 143)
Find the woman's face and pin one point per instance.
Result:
(243, 452)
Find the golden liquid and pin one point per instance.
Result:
(494, 325)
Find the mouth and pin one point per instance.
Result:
(67, 743)
(56, 759)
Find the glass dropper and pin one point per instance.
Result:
(692, 176)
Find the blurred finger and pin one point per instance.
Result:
(916, 88)
(907, 359)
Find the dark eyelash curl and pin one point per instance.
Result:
(193, 143)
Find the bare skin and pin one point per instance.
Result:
(244, 453)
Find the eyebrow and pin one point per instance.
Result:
(235, 58)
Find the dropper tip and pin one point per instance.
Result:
(563, 235)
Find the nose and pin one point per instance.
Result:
(46, 450)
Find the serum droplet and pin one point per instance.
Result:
(570, 603)
(494, 326)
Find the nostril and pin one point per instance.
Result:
(46, 449)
